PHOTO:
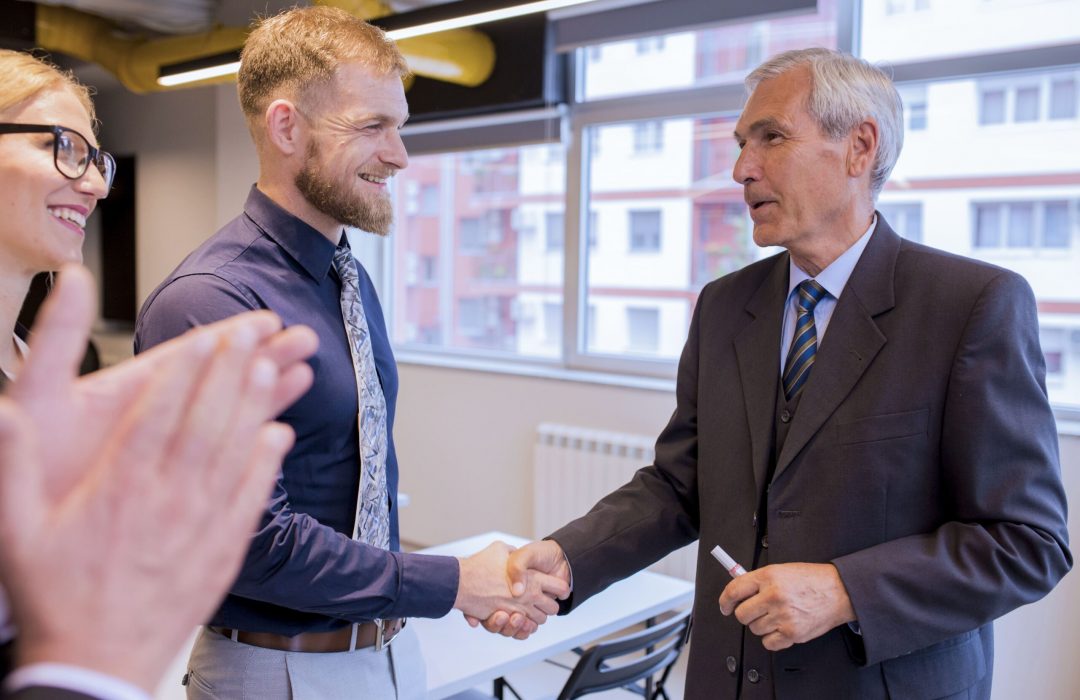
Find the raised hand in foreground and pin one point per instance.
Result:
(127, 497)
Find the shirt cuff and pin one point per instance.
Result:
(73, 678)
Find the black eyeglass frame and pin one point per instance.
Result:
(102, 160)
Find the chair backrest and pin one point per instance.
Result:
(598, 669)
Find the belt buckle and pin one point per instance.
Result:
(381, 640)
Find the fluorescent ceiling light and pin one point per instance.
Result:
(482, 18)
(192, 76)
(205, 72)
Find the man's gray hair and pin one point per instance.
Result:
(845, 91)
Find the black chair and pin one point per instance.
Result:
(600, 669)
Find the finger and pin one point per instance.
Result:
(273, 442)
(22, 487)
(517, 569)
(291, 385)
(738, 590)
(526, 631)
(555, 586)
(136, 448)
(230, 384)
(292, 345)
(250, 414)
(473, 622)
(60, 333)
(496, 622)
(775, 641)
(751, 609)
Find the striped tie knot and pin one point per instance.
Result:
(804, 343)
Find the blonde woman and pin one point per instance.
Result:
(52, 174)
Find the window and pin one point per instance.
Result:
(648, 138)
(915, 112)
(1053, 341)
(1022, 225)
(988, 170)
(642, 330)
(1029, 99)
(1027, 104)
(652, 44)
(905, 219)
(992, 107)
(1063, 98)
(644, 231)
(480, 272)
(553, 228)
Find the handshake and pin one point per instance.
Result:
(512, 591)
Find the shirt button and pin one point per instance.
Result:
(765, 541)
(753, 676)
(732, 665)
(755, 520)
(785, 416)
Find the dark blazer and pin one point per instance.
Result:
(40, 693)
(922, 461)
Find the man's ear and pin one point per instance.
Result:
(284, 128)
(863, 145)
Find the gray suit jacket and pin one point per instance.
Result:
(922, 462)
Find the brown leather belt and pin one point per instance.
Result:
(368, 634)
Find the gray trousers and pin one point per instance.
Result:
(221, 669)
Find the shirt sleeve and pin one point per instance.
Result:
(294, 560)
(72, 678)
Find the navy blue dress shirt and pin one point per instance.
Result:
(304, 572)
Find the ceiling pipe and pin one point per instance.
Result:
(461, 56)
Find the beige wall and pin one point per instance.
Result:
(465, 437)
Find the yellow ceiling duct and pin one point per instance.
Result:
(461, 56)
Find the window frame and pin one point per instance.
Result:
(576, 119)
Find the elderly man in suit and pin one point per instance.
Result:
(861, 420)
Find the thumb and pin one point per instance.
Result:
(517, 568)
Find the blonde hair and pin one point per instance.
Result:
(297, 52)
(24, 77)
(845, 90)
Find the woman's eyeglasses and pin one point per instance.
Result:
(72, 153)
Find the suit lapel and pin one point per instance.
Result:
(851, 342)
(757, 348)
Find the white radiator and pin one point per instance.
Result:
(573, 468)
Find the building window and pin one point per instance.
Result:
(1027, 104)
(552, 323)
(554, 233)
(1063, 98)
(645, 231)
(906, 219)
(648, 137)
(1053, 342)
(647, 45)
(1022, 225)
(992, 107)
(915, 111)
(642, 330)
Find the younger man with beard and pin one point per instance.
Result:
(323, 98)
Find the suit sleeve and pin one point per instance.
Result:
(653, 514)
(294, 560)
(1006, 544)
(46, 693)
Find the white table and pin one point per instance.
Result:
(459, 657)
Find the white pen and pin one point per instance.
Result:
(732, 566)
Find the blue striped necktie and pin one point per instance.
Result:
(372, 524)
(804, 345)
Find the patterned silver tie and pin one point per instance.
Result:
(372, 524)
